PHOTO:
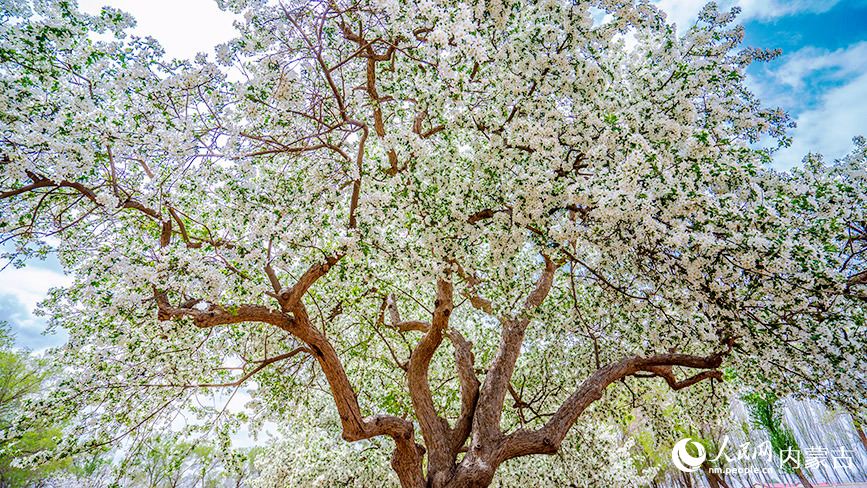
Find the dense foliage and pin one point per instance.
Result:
(22, 377)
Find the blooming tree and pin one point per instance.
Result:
(311, 454)
(466, 221)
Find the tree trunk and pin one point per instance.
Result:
(684, 479)
(711, 477)
(715, 480)
(722, 480)
(862, 436)
(487, 446)
(803, 478)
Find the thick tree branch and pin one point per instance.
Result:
(216, 315)
(492, 395)
(443, 443)
(665, 373)
(272, 277)
(485, 214)
(407, 456)
(465, 365)
(547, 439)
(434, 429)
(479, 303)
(410, 325)
(41, 183)
(857, 279)
(188, 239)
(401, 325)
(294, 319)
(290, 297)
(465, 362)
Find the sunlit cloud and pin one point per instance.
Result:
(826, 93)
(685, 12)
(829, 128)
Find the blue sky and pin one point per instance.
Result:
(820, 79)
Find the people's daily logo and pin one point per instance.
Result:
(685, 461)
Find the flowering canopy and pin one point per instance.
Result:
(570, 202)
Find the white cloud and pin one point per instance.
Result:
(829, 128)
(20, 291)
(685, 12)
(681, 12)
(30, 285)
(829, 65)
(765, 9)
(183, 27)
(826, 93)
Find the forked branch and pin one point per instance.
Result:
(493, 391)
(434, 429)
(547, 439)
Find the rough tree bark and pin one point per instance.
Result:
(861, 435)
(481, 402)
(802, 477)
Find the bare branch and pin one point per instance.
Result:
(261, 364)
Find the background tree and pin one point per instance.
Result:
(658, 417)
(87, 470)
(465, 221)
(21, 377)
(861, 435)
(766, 415)
(164, 460)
